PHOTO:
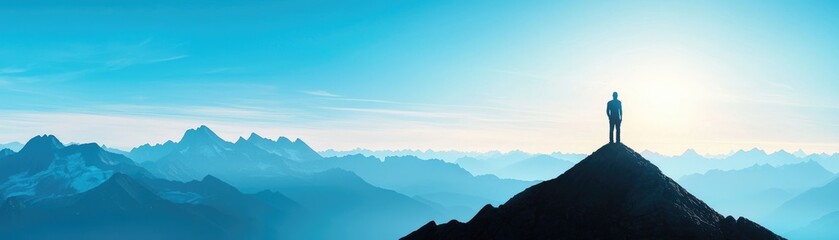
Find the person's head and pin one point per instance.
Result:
(615, 95)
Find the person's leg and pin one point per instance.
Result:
(611, 130)
(618, 130)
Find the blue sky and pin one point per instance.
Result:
(465, 75)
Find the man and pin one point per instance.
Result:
(615, 113)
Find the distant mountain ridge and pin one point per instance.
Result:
(14, 146)
(257, 164)
(757, 190)
(612, 194)
(451, 155)
(297, 150)
(433, 180)
(201, 152)
(806, 207)
(689, 162)
(124, 207)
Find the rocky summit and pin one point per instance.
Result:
(612, 194)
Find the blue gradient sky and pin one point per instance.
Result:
(465, 75)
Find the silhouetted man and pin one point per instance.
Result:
(615, 113)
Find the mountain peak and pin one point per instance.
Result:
(211, 183)
(254, 136)
(283, 140)
(300, 142)
(42, 143)
(614, 193)
(756, 150)
(202, 134)
(800, 153)
(122, 191)
(6, 152)
(690, 152)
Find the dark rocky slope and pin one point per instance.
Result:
(612, 194)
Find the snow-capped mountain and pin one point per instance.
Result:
(46, 168)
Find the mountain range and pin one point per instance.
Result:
(49, 191)
(806, 208)
(124, 207)
(506, 164)
(334, 196)
(432, 181)
(691, 162)
(757, 190)
(260, 188)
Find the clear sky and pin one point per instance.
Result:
(466, 75)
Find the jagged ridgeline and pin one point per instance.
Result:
(204, 187)
(612, 194)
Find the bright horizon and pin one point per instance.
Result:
(713, 76)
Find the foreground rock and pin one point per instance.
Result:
(612, 194)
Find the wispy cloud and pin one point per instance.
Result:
(12, 70)
(321, 93)
(128, 61)
(167, 59)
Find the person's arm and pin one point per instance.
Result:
(620, 112)
(607, 110)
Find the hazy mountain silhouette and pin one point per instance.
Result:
(448, 156)
(297, 150)
(256, 164)
(120, 208)
(336, 198)
(347, 207)
(490, 162)
(114, 150)
(483, 163)
(264, 215)
(126, 208)
(14, 146)
(689, 162)
(148, 152)
(6, 152)
(822, 228)
(612, 194)
(805, 208)
(757, 190)
(539, 167)
(431, 180)
(830, 162)
(201, 152)
(45, 168)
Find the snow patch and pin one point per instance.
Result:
(181, 197)
(71, 170)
